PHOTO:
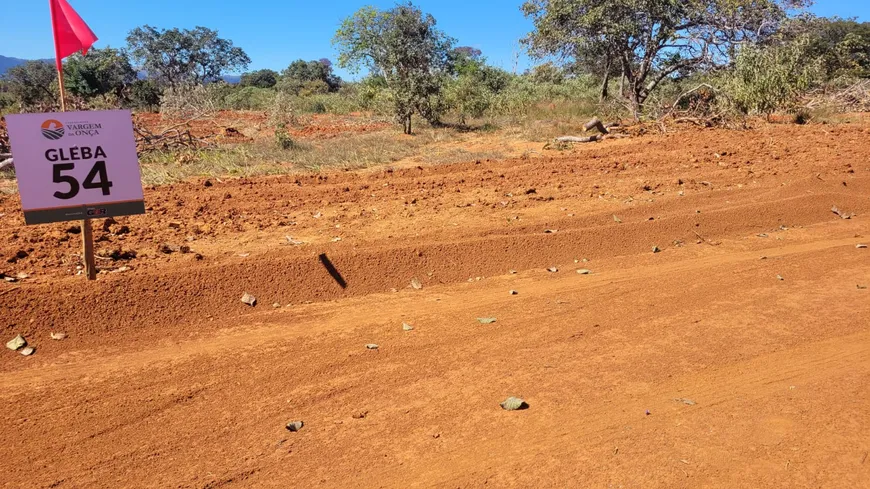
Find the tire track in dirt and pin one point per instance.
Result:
(179, 298)
(256, 335)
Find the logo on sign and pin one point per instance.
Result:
(52, 129)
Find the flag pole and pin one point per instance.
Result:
(87, 231)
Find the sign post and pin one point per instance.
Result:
(76, 166)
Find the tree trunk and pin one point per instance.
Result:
(604, 92)
(408, 124)
(622, 85)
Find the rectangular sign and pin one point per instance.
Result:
(76, 165)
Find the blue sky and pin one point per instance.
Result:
(276, 32)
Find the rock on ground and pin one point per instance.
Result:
(514, 404)
(16, 343)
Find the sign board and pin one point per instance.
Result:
(76, 165)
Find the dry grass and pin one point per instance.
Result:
(351, 151)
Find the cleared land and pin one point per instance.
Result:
(693, 367)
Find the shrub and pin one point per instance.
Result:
(282, 138)
(145, 95)
(190, 101)
(249, 98)
(772, 78)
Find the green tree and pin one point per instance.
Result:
(471, 92)
(311, 76)
(406, 49)
(100, 72)
(32, 83)
(260, 79)
(650, 40)
(174, 56)
(547, 73)
(842, 44)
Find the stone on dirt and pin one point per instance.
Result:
(552, 269)
(656, 249)
(861, 246)
(514, 404)
(27, 351)
(372, 346)
(58, 336)
(407, 327)
(780, 278)
(514, 292)
(416, 284)
(249, 299)
(486, 320)
(295, 426)
(16, 343)
(584, 271)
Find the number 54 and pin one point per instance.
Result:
(97, 178)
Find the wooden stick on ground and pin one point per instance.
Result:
(575, 139)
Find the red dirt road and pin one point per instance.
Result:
(693, 367)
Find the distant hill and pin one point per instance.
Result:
(7, 62)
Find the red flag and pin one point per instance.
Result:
(71, 34)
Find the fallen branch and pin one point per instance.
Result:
(595, 123)
(686, 94)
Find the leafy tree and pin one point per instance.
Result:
(7, 100)
(471, 92)
(32, 83)
(174, 56)
(843, 45)
(406, 49)
(650, 40)
(547, 73)
(467, 52)
(100, 72)
(260, 79)
(312, 75)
